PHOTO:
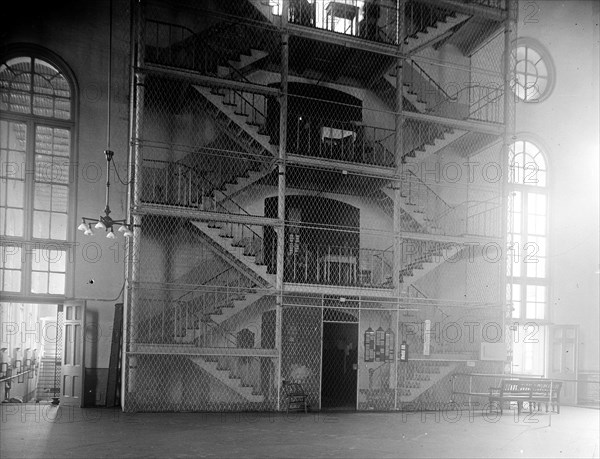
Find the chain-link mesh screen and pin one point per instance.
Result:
(283, 150)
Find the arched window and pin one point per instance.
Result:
(36, 142)
(527, 268)
(534, 71)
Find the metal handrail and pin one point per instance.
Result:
(455, 96)
(193, 34)
(486, 104)
(213, 186)
(241, 95)
(437, 196)
(428, 77)
(177, 300)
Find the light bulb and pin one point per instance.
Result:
(127, 233)
(100, 225)
(88, 232)
(122, 228)
(111, 234)
(82, 227)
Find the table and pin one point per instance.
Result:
(337, 143)
(331, 134)
(345, 10)
(326, 262)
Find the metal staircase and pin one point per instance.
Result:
(218, 369)
(420, 376)
(241, 242)
(427, 30)
(429, 256)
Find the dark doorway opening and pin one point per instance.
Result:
(339, 366)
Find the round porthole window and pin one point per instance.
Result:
(534, 72)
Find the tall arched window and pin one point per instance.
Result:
(527, 269)
(36, 142)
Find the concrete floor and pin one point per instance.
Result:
(44, 431)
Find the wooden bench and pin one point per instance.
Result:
(295, 396)
(534, 392)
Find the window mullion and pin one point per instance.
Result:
(29, 173)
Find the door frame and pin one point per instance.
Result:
(356, 324)
(569, 378)
(77, 350)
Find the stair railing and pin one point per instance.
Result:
(476, 218)
(418, 194)
(234, 364)
(189, 315)
(338, 265)
(472, 95)
(484, 217)
(170, 183)
(185, 186)
(497, 4)
(421, 196)
(179, 46)
(410, 79)
(344, 140)
(244, 101)
(486, 108)
(383, 268)
(209, 282)
(418, 135)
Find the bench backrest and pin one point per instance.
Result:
(536, 388)
(515, 386)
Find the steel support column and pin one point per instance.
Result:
(135, 174)
(280, 230)
(510, 35)
(398, 154)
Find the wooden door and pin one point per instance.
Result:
(71, 387)
(563, 360)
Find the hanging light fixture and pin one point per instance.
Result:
(105, 222)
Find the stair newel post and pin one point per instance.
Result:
(280, 230)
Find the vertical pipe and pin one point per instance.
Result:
(510, 32)
(280, 230)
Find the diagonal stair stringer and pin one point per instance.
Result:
(423, 152)
(242, 183)
(414, 387)
(214, 235)
(240, 120)
(430, 34)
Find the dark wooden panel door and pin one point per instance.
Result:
(71, 389)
